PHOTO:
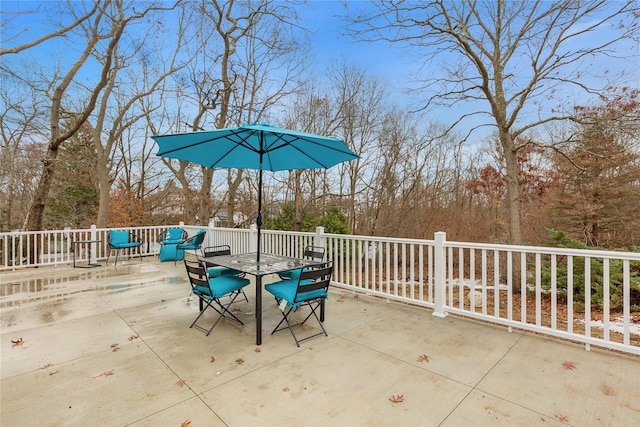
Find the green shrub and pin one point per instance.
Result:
(596, 285)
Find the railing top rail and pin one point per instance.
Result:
(593, 253)
(380, 239)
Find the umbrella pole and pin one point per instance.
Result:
(259, 219)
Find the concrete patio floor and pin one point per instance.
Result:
(111, 346)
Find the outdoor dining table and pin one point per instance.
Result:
(268, 264)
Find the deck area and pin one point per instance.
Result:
(111, 346)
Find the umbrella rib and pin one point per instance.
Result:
(279, 137)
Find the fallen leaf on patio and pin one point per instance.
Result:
(133, 337)
(258, 350)
(397, 398)
(285, 389)
(239, 361)
(48, 365)
(105, 374)
(563, 418)
(423, 358)
(115, 347)
(213, 359)
(568, 365)
(185, 423)
(54, 372)
(180, 383)
(19, 341)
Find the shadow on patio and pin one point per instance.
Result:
(112, 346)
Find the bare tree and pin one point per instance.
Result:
(57, 33)
(513, 57)
(247, 61)
(20, 131)
(94, 35)
(312, 111)
(135, 75)
(361, 101)
(101, 29)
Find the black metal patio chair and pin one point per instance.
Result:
(310, 289)
(315, 253)
(210, 290)
(118, 240)
(214, 270)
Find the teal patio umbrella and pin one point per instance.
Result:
(255, 146)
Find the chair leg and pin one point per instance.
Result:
(206, 301)
(313, 312)
(224, 309)
(238, 292)
(285, 318)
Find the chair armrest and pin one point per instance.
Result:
(162, 236)
(188, 241)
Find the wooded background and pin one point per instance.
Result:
(538, 144)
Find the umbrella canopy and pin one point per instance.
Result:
(256, 146)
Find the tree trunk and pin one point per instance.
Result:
(232, 183)
(513, 188)
(204, 209)
(36, 212)
(104, 193)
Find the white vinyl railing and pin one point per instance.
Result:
(586, 296)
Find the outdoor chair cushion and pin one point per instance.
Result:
(286, 290)
(174, 236)
(221, 286)
(120, 239)
(171, 253)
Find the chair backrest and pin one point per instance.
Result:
(197, 274)
(315, 253)
(175, 234)
(219, 250)
(198, 238)
(118, 237)
(314, 282)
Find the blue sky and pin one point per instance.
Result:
(329, 44)
(399, 67)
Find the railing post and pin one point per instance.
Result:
(439, 261)
(210, 240)
(253, 241)
(94, 246)
(319, 239)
